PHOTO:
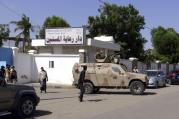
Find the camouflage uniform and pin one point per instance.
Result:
(81, 81)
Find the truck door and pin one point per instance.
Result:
(115, 76)
(102, 76)
(120, 76)
(5, 97)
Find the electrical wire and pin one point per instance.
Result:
(36, 27)
(10, 9)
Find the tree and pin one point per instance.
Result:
(4, 33)
(24, 26)
(124, 24)
(53, 21)
(166, 44)
(149, 56)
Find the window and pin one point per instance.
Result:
(123, 66)
(161, 73)
(116, 69)
(51, 64)
(152, 73)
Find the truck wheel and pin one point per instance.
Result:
(26, 107)
(137, 88)
(88, 88)
(96, 90)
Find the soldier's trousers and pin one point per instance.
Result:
(81, 92)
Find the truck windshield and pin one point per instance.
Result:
(123, 67)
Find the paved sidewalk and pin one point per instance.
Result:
(50, 85)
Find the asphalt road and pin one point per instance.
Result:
(162, 103)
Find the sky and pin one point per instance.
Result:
(76, 12)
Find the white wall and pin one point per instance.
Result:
(23, 63)
(28, 66)
(62, 71)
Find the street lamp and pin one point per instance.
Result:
(157, 61)
(133, 58)
(158, 64)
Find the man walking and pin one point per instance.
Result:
(81, 81)
(43, 78)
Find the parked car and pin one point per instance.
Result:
(20, 100)
(109, 75)
(156, 78)
(173, 77)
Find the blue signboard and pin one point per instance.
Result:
(6, 56)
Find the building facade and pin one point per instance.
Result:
(58, 60)
(58, 52)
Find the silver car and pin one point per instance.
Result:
(156, 78)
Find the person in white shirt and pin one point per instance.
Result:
(43, 78)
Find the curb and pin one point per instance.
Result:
(37, 85)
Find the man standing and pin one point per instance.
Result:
(135, 70)
(43, 78)
(81, 81)
(3, 72)
(2, 76)
(7, 73)
(13, 75)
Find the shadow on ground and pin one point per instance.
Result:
(158, 87)
(51, 92)
(57, 98)
(96, 100)
(123, 93)
(38, 113)
(176, 83)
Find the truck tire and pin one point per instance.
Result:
(88, 88)
(96, 90)
(26, 107)
(137, 88)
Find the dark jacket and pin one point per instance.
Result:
(82, 77)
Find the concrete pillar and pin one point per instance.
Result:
(174, 66)
(158, 63)
(167, 68)
(82, 54)
(15, 53)
(32, 68)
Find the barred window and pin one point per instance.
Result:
(51, 64)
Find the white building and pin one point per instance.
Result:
(58, 59)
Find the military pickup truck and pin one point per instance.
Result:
(20, 100)
(109, 75)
